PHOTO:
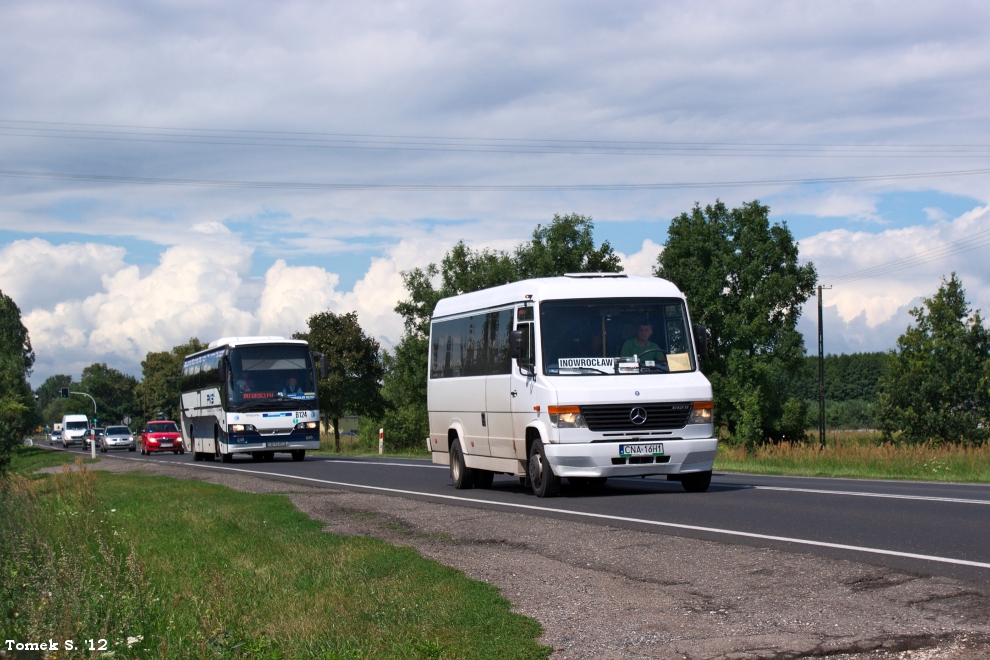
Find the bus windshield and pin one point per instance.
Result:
(615, 336)
(270, 376)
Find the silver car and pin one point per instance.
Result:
(117, 437)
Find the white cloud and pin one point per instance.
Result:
(642, 262)
(37, 274)
(872, 312)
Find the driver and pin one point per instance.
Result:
(291, 387)
(641, 344)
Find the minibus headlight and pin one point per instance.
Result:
(701, 413)
(566, 417)
(306, 425)
(240, 428)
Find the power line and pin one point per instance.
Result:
(411, 187)
(975, 241)
(304, 140)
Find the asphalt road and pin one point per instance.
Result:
(928, 528)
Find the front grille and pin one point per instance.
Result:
(616, 416)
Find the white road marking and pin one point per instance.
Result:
(927, 498)
(603, 516)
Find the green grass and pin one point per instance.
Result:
(860, 455)
(28, 459)
(200, 570)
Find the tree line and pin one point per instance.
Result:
(743, 280)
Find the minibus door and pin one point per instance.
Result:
(524, 391)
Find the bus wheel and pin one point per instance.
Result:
(545, 482)
(483, 478)
(257, 456)
(298, 454)
(226, 458)
(269, 456)
(696, 482)
(460, 474)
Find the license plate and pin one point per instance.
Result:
(277, 444)
(165, 444)
(641, 450)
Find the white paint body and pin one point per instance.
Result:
(493, 415)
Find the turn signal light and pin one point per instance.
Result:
(701, 412)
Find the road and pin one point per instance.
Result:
(928, 528)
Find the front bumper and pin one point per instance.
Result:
(602, 459)
(251, 442)
(113, 443)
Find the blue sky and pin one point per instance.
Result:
(462, 94)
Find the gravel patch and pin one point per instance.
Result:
(609, 592)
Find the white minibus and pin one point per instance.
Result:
(586, 376)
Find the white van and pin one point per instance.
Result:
(75, 429)
(585, 376)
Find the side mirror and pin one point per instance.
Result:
(516, 344)
(700, 339)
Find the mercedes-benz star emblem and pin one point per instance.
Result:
(637, 415)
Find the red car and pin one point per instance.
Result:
(161, 435)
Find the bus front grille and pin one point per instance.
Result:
(621, 416)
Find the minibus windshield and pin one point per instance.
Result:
(615, 336)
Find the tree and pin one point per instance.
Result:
(353, 385)
(113, 390)
(17, 410)
(566, 245)
(160, 387)
(50, 390)
(935, 386)
(743, 282)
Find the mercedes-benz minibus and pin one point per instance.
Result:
(583, 377)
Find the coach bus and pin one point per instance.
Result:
(582, 377)
(253, 396)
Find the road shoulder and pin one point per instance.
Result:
(617, 593)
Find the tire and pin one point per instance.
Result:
(182, 451)
(197, 456)
(257, 456)
(483, 478)
(298, 454)
(131, 449)
(175, 451)
(545, 483)
(269, 456)
(460, 474)
(696, 482)
(226, 458)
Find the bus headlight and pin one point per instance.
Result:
(241, 428)
(566, 417)
(307, 425)
(701, 413)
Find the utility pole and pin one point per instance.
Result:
(821, 370)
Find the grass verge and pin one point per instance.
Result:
(28, 459)
(860, 456)
(173, 569)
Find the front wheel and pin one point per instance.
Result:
(696, 482)
(460, 474)
(226, 458)
(483, 478)
(298, 454)
(545, 483)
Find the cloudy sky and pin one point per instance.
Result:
(178, 169)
